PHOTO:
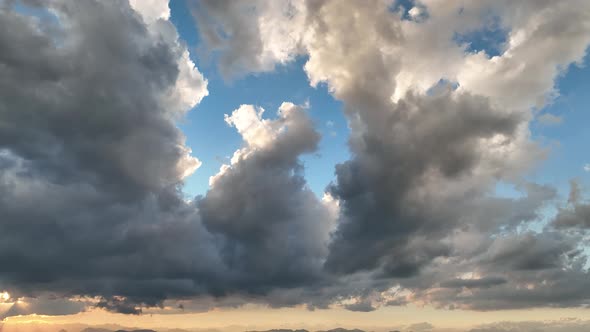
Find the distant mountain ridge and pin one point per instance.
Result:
(282, 330)
(118, 328)
(96, 329)
(338, 329)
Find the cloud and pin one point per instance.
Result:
(43, 305)
(548, 119)
(91, 157)
(248, 42)
(387, 202)
(362, 306)
(474, 283)
(576, 214)
(92, 164)
(151, 10)
(275, 231)
(119, 305)
(416, 198)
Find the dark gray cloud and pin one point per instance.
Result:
(274, 229)
(362, 306)
(528, 270)
(399, 150)
(92, 165)
(120, 305)
(474, 283)
(94, 96)
(91, 159)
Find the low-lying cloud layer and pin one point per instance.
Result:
(92, 162)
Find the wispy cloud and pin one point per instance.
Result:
(549, 119)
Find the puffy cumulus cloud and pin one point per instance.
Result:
(251, 36)
(542, 39)
(434, 127)
(151, 10)
(274, 229)
(391, 189)
(98, 98)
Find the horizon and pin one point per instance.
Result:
(519, 326)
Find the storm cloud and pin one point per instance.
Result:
(91, 159)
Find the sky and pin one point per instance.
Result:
(385, 164)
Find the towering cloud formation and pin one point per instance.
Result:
(434, 127)
(92, 163)
(90, 156)
(275, 231)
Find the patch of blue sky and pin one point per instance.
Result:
(404, 7)
(507, 190)
(441, 86)
(568, 141)
(564, 141)
(490, 38)
(45, 19)
(213, 141)
(39, 12)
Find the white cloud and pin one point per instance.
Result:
(415, 12)
(247, 119)
(549, 119)
(191, 86)
(151, 10)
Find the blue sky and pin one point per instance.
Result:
(569, 139)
